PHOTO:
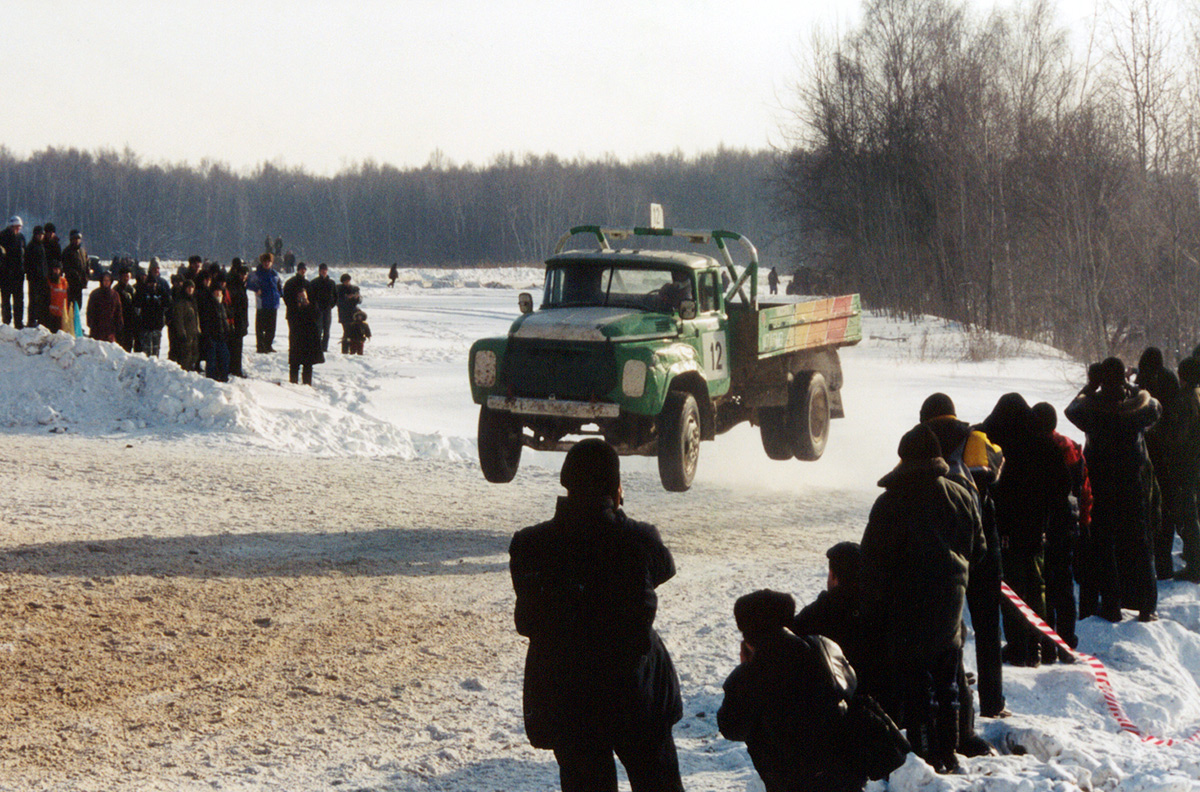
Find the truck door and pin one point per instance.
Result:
(710, 329)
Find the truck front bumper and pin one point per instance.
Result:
(555, 408)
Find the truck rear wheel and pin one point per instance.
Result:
(772, 426)
(678, 441)
(499, 445)
(808, 416)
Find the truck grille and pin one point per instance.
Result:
(566, 370)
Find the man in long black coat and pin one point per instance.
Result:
(923, 534)
(598, 679)
(1115, 417)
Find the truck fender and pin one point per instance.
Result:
(690, 379)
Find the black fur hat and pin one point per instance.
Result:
(919, 444)
(592, 467)
(937, 405)
(763, 611)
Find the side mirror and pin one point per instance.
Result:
(525, 302)
(687, 309)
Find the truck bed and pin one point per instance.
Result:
(780, 328)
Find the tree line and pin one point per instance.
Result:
(511, 210)
(991, 171)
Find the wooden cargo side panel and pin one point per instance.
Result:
(793, 327)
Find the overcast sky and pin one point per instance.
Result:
(322, 85)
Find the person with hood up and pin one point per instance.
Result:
(1115, 416)
(357, 333)
(598, 679)
(183, 332)
(787, 701)
(104, 313)
(923, 534)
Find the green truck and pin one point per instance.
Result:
(656, 350)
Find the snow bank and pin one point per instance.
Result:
(58, 383)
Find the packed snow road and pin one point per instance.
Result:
(177, 618)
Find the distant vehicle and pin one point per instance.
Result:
(647, 349)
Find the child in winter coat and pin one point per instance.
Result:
(357, 333)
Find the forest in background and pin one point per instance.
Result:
(990, 169)
(512, 210)
(997, 171)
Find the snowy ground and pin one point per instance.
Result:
(266, 586)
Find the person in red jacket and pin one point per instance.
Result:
(104, 313)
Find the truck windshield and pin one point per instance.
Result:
(659, 290)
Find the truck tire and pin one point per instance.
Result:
(499, 445)
(678, 441)
(808, 416)
(772, 426)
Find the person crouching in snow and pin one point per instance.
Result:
(784, 702)
(105, 316)
(357, 333)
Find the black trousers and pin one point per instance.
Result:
(650, 761)
(264, 327)
(1060, 592)
(12, 300)
(235, 354)
(983, 601)
(931, 702)
(298, 373)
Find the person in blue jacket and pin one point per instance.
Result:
(265, 284)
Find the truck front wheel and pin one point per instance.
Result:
(678, 441)
(499, 445)
(772, 426)
(808, 416)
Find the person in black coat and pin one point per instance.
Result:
(598, 679)
(922, 536)
(837, 614)
(304, 339)
(239, 315)
(1115, 416)
(323, 293)
(348, 299)
(37, 273)
(787, 704)
(152, 303)
(12, 273)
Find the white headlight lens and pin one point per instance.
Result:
(633, 378)
(485, 368)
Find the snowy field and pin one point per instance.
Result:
(81, 416)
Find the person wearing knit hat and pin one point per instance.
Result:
(975, 462)
(1115, 417)
(923, 533)
(598, 679)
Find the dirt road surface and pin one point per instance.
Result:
(182, 618)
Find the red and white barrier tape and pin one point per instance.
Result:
(1098, 671)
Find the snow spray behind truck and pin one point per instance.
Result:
(656, 351)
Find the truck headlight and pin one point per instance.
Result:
(485, 368)
(633, 379)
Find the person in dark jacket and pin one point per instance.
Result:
(292, 286)
(75, 267)
(214, 328)
(786, 705)
(239, 315)
(1033, 480)
(129, 324)
(1184, 452)
(184, 329)
(104, 315)
(393, 273)
(837, 614)
(323, 293)
(1115, 416)
(152, 302)
(348, 298)
(264, 282)
(976, 465)
(1160, 382)
(598, 679)
(1069, 516)
(51, 244)
(37, 271)
(357, 334)
(922, 536)
(304, 339)
(12, 273)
